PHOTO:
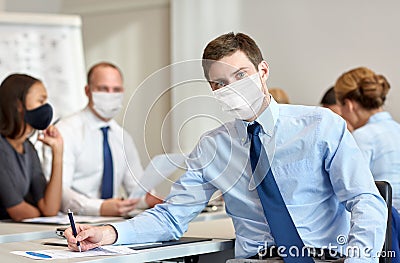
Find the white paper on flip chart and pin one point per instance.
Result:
(160, 168)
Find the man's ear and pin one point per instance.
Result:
(263, 68)
(87, 90)
(88, 93)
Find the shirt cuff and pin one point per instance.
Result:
(124, 232)
(81, 205)
(142, 203)
(92, 207)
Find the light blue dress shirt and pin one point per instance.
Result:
(379, 140)
(317, 165)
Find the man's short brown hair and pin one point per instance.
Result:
(226, 45)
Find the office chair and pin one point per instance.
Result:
(386, 192)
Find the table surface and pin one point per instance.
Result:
(144, 255)
(14, 232)
(221, 231)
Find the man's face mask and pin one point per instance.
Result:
(40, 117)
(106, 104)
(242, 99)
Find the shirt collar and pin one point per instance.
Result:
(380, 116)
(267, 120)
(94, 123)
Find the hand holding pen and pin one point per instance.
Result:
(90, 237)
(73, 227)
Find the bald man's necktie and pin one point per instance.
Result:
(107, 182)
(280, 222)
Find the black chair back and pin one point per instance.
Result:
(386, 192)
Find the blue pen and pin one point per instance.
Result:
(71, 220)
(39, 255)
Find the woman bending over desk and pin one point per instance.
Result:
(24, 191)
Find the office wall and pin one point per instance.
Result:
(307, 44)
(136, 38)
(33, 6)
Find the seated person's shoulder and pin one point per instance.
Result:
(71, 123)
(120, 131)
(223, 129)
(310, 113)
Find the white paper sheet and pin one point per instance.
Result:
(50, 254)
(57, 254)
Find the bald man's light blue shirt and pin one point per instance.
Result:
(318, 168)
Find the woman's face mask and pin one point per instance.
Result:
(40, 117)
(242, 99)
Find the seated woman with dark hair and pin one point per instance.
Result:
(329, 101)
(24, 191)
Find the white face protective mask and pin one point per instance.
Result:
(106, 104)
(243, 99)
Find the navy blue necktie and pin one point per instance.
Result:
(280, 222)
(107, 182)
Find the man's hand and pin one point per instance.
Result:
(90, 237)
(117, 207)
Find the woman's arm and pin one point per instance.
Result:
(23, 211)
(50, 204)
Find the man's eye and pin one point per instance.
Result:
(221, 84)
(118, 90)
(102, 88)
(241, 75)
(218, 84)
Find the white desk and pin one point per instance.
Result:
(210, 229)
(144, 255)
(14, 232)
(208, 216)
(219, 228)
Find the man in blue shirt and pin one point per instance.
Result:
(327, 187)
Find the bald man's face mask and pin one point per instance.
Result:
(106, 104)
(242, 99)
